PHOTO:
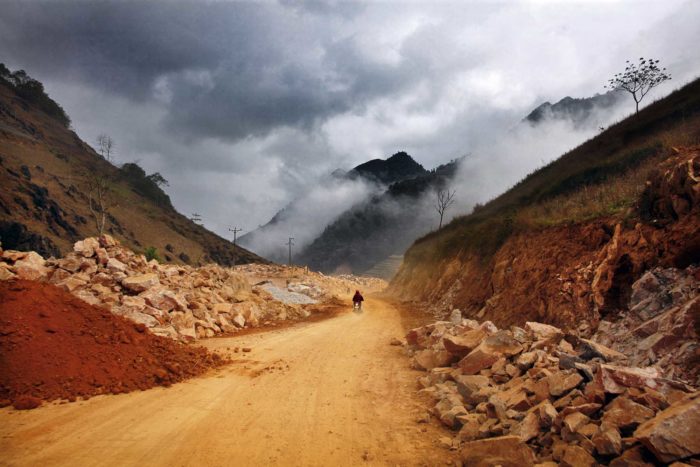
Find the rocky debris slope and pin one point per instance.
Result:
(180, 302)
(661, 327)
(538, 395)
(55, 346)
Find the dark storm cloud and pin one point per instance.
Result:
(225, 70)
(244, 106)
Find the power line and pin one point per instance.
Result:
(235, 230)
(290, 243)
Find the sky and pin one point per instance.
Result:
(245, 106)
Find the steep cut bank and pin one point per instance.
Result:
(56, 346)
(568, 275)
(565, 245)
(46, 172)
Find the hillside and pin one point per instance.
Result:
(565, 244)
(45, 169)
(385, 225)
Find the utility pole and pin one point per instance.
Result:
(235, 230)
(290, 243)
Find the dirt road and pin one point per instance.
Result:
(327, 393)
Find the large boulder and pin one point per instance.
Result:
(506, 451)
(463, 344)
(540, 331)
(5, 273)
(625, 414)
(489, 351)
(561, 382)
(32, 267)
(673, 433)
(140, 283)
(429, 358)
(467, 385)
(616, 379)
(86, 247)
(163, 299)
(114, 265)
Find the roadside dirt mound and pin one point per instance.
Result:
(55, 346)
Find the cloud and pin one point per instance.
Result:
(306, 217)
(244, 106)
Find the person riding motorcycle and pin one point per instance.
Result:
(357, 300)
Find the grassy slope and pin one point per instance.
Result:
(622, 150)
(56, 158)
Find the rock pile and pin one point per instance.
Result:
(314, 284)
(180, 302)
(55, 346)
(661, 327)
(538, 395)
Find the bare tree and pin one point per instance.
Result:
(100, 198)
(444, 199)
(99, 183)
(105, 147)
(639, 79)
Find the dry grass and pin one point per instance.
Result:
(612, 197)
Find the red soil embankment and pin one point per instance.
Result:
(55, 346)
(571, 276)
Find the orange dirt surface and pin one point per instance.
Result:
(55, 346)
(331, 392)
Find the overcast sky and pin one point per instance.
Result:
(242, 106)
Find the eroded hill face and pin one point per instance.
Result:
(44, 206)
(571, 275)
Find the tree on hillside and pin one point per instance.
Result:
(158, 179)
(639, 79)
(99, 185)
(105, 147)
(33, 91)
(444, 199)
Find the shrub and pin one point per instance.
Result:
(151, 253)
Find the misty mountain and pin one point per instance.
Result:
(383, 226)
(398, 167)
(307, 216)
(580, 111)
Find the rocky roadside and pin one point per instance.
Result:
(541, 396)
(56, 346)
(181, 302)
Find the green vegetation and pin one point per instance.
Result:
(151, 253)
(33, 92)
(602, 177)
(146, 185)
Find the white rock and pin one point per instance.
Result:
(140, 283)
(113, 264)
(31, 267)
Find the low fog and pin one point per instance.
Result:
(306, 216)
(498, 162)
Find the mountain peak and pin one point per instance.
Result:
(577, 110)
(399, 166)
